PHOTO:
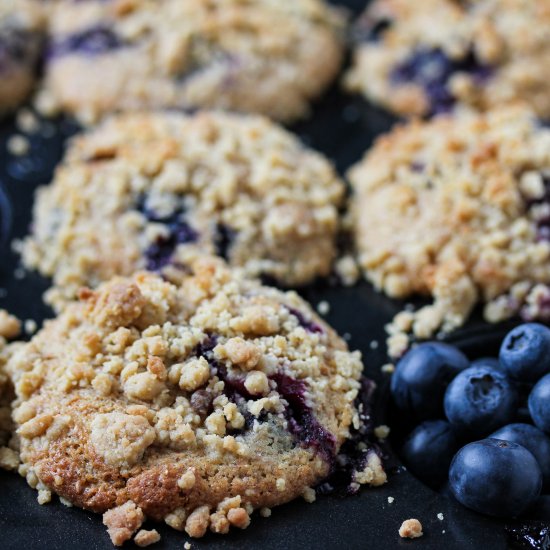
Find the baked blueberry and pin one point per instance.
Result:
(525, 352)
(534, 440)
(479, 400)
(495, 477)
(421, 377)
(539, 403)
(429, 450)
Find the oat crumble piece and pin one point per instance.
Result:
(122, 522)
(410, 529)
(146, 538)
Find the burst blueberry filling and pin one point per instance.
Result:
(17, 46)
(93, 41)
(224, 239)
(302, 423)
(310, 326)
(159, 254)
(354, 454)
(433, 70)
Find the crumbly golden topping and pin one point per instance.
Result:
(143, 189)
(456, 209)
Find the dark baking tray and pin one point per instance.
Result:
(342, 127)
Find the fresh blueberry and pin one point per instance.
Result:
(421, 377)
(429, 450)
(525, 352)
(533, 440)
(495, 477)
(479, 400)
(486, 362)
(539, 404)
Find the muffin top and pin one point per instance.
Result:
(423, 58)
(260, 56)
(141, 190)
(457, 208)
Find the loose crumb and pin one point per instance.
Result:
(382, 431)
(27, 121)
(374, 344)
(390, 500)
(388, 368)
(265, 512)
(10, 326)
(30, 326)
(323, 307)
(309, 495)
(440, 516)
(145, 538)
(187, 546)
(410, 529)
(18, 145)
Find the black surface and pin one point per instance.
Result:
(342, 127)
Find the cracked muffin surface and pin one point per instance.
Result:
(423, 58)
(142, 190)
(21, 37)
(264, 56)
(457, 209)
(194, 403)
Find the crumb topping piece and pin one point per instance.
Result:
(410, 529)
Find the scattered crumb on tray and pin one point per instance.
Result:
(323, 307)
(382, 431)
(18, 145)
(146, 538)
(410, 529)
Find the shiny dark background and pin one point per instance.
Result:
(342, 127)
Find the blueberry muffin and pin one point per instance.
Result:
(422, 58)
(142, 190)
(9, 329)
(194, 403)
(457, 209)
(20, 44)
(262, 56)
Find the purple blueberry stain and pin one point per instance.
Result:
(302, 423)
(432, 69)
(159, 253)
(223, 240)
(307, 324)
(93, 41)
